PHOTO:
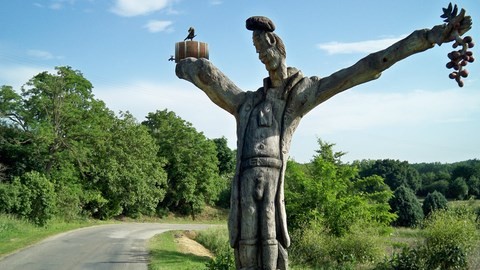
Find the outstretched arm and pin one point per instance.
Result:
(212, 81)
(370, 67)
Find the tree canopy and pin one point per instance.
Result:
(191, 162)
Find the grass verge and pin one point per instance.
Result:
(164, 254)
(16, 234)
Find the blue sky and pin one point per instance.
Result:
(414, 112)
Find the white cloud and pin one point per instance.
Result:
(361, 111)
(130, 8)
(216, 2)
(158, 26)
(59, 4)
(17, 75)
(42, 55)
(367, 46)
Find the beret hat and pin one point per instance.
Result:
(260, 23)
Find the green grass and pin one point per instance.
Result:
(16, 234)
(164, 255)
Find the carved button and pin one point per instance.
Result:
(268, 107)
(248, 107)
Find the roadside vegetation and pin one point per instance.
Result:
(68, 161)
(166, 255)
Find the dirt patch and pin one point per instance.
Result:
(189, 246)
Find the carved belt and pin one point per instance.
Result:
(262, 162)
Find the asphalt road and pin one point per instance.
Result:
(115, 247)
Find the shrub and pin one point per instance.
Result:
(216, 240)
(407, 259)
(314, 247)
(406, 205)
(450, 236)
(9, 194)
(434, 201)
(36, 198)
(450, 241)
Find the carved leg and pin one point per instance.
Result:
(270, 254)
(247, 246)
(268, 221)
(248, 254)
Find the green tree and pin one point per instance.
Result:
(433, 202)
(395, 173)
(329, 191)
(226, 166)
(99, 164)
(191, 163)
(458, 189)
(473, 184)
(464, 170)
(225, 156)
(440, 186)
(406, 205)
(127, 171)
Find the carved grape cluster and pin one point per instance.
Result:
(460, 58)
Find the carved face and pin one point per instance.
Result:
(268, 53)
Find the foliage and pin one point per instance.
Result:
(191, 163)
(473, 184)
(433, 202)
(440, 186)
(226, 166)
(31, 196)
(458, 189)
(395, 173)
(449, 240)
(449, 237)
(129, 175)
(216, 240)
(407, 259)
(226, 157)
(99, 164)
(314, 247)
(406, 205)
(331, 191)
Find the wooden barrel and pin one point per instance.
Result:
(190, 48)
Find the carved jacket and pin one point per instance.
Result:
(294, 108)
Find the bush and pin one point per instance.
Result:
(9, 194)
(37, 199)
(406, 205)
(450, 236)
(314, 247)
(407, 259)
(434, 201)
(216, 240)
(450, 241)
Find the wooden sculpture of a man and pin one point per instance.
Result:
(266, 120)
